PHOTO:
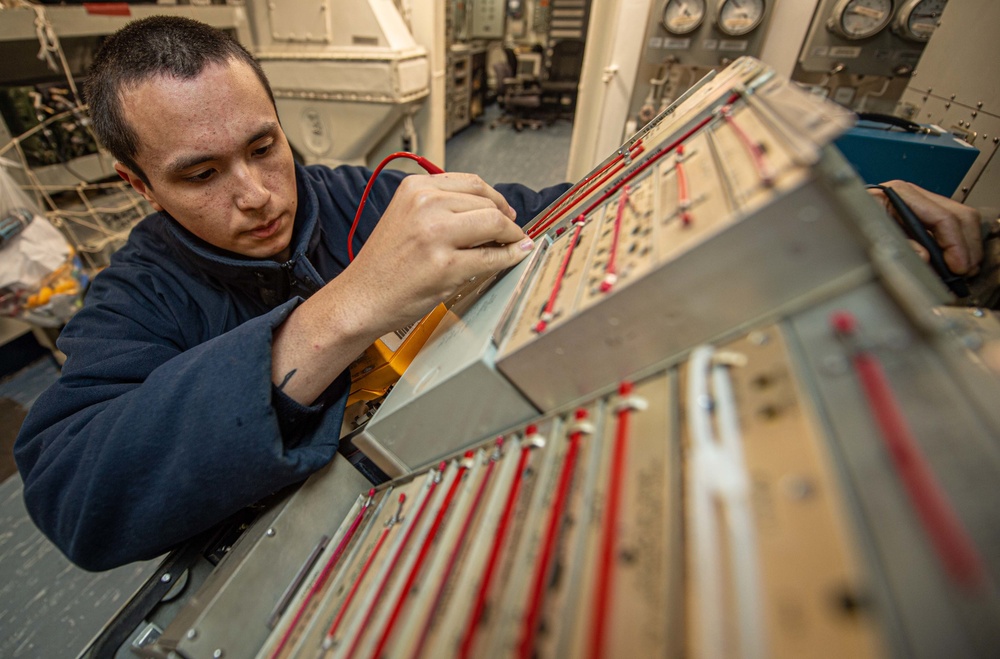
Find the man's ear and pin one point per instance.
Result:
(138, 185)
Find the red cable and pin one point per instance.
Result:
(421, 557)
(553, 215)
(610, 273)
(755, 148)
(331, 632)
(951, 541)
(527, 642)
(652, 159)
(393, 562)
(459, 542)
(324, 574)
(547, 312)
(683, 201)
(498, 542)
(428, 166)
(605, 571)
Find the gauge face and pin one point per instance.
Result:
(683, 16)
(739, 17)
(918, 19)
(860, 19)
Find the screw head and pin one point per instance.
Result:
(166, 578)
(192, 633)
(270, 532)
(218, 653)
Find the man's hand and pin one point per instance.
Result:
(437, 233)
(955, 226)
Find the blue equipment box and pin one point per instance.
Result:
(933, 159)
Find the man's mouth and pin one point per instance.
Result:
(267, 230)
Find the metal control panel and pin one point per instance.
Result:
(685, 39)
(862, 52)
(749, 431)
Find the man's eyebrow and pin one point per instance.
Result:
(182, 164)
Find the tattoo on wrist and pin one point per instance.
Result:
(288, 376)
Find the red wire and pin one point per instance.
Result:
(610, 273)
(357, 582)
(553, 215)
(453, 559)
(755, 148)
(498, 542)
(428, 166)
(605, 571)
(526, 645)
(323, 575)
(421, 557)
(392, 564)
(683, 201)
(543, 322)
(652, 159)
(951, 541)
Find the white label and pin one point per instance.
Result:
(821, 51)
(847, 52)
(710, 44)
(733, 45)
(677, 44)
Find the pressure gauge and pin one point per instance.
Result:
(739, 17)
(860, 19)
(683, 16)
(917, 19)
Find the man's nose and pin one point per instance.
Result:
(250, 191)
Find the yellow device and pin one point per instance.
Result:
(382, 364)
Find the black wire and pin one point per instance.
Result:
(916, 230)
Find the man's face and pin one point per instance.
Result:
(216, 158)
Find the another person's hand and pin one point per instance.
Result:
(955, 226)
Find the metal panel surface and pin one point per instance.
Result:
(275, 552)
(938, 615)
(448, 380)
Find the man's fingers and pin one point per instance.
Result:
(470, 184)
(481, 227)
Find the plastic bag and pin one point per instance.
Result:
(41, 281)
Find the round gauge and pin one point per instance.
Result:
(917, 19)
(683, 16)
(739, 17)
(860, 19)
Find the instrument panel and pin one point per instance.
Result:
(737, 427)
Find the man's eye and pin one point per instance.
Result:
(262, 150)
(201, 176)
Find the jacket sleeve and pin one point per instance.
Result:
(527, 202)
(143, 444)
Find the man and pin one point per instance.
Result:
(207, 368)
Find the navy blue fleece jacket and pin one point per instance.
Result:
(165, 421)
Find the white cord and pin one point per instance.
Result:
(719, 476)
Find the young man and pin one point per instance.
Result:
(207, 367)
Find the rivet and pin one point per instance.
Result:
(270, 533)
(218, 653)
(192, 633)
(978, 313)
(165, 578)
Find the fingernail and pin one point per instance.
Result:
(526, 245)
(512, 213)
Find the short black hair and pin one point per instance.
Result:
(143, 49)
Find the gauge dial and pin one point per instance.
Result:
(860, 19)
(683, 16)
(739, 17)
(917, 19)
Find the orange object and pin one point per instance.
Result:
(380, 367)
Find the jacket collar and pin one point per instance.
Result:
(233, 268)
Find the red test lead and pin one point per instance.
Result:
(610, 270)
(683, 200)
